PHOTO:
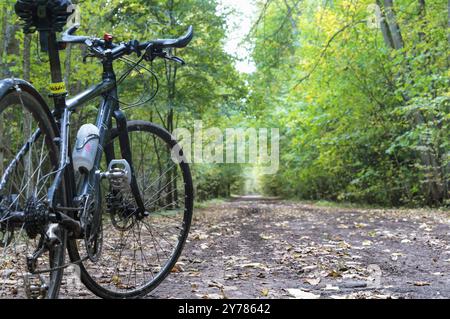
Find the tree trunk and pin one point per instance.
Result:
(4, 42)
(27, 58)
(422, 15)
(68, 66)
(436, 184)
(385, 27)
(448, 12)
(394, 28)
(422, 7)
(433, 181)
(290, 16)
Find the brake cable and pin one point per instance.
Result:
(136, 65)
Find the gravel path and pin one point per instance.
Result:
(255, 248)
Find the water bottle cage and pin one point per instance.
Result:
(81, 144)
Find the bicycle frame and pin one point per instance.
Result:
(108, 109)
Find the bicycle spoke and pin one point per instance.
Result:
(25, 181)
(136, 252)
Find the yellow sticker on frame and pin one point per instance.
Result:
(57, 88)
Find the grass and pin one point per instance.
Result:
(347, 205)
(325, 204)
(209, 203)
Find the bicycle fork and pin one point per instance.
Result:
(125, 149)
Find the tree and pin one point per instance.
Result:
(361, 122)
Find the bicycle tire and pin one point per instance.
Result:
(88, 277)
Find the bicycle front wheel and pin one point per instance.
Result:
(137, 253)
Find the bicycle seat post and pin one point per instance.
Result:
(57, 88)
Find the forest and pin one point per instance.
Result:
(359, 90)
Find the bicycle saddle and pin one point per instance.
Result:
(44, 15)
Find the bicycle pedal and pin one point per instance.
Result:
(118, 174)
(35, 286)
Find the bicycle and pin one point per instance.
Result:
(126, 226)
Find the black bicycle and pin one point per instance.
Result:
(120, 200)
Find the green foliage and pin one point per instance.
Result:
(209, 88)
(361, 122)
(218, 181)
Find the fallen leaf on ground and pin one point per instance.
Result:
(395, 256)
(313, 281)
(178, 268)
(367, 243)
(334, 274)
(300, 294)
(215, 284)
(265, 237)
(254, 265)
(116, 280)
(331, 288)
(211, 296)
(265, 292)
(309, 268)
(421, 284)
(200, 236)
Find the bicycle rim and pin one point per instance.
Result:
(139, 254)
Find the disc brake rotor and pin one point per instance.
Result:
(122, 214)
(93, 230)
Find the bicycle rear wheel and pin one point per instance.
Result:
(28, 158)
(138, 254)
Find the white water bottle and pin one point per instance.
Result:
(86, 148)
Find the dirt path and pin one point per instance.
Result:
(249, 248)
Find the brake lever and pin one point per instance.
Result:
(134, 47)
(88, 55)
(95, 50)
(177, 60)
(173, 58)
(151, 55)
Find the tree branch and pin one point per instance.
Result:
(325, 49)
